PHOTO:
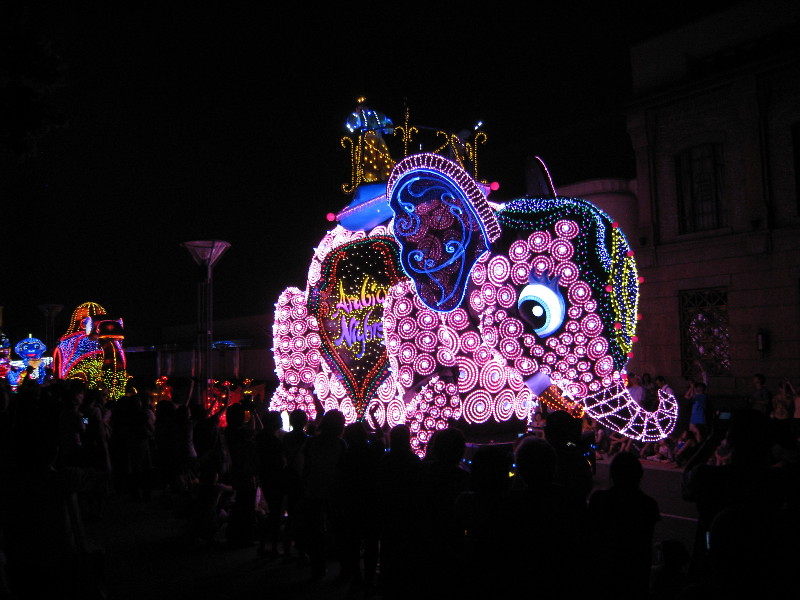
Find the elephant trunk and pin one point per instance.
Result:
(614, 407)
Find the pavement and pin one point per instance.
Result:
(150, 554)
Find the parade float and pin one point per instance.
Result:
(5, 355)
(91, 350)
(32, 363)
(430, 304)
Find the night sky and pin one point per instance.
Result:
(169, 122)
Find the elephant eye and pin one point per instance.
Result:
(542, 306)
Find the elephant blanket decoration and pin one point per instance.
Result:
(454, 310)
(91, 350)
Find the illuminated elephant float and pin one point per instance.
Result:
(455, 310)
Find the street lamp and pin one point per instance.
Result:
(50, 311)
(206, 254)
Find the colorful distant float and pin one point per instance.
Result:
(428, 304)
(32, 363)
(91, 350)
(5, 355)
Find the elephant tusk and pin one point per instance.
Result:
(553, 396)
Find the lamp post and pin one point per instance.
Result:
(50, 311)
(205, 253)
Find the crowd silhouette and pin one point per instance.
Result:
(359, 505)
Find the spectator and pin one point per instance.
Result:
(602, 441)
(140, 434)
(661, 385)
(322, 461)
(636, 390)
(397, 481)
(292, 445)
(650, 392)
(619, 443)
(782, 412)
(685, 448)
(549, 520)
(624, 518)
(239, 439)
(537, 424)
(563, 431)
(697, 419)
(796, 411)
(359, 498)
(669, 578)
(747, 524)
(761, 398)
(71, 426)
(442, 479)
(484, 514)
(663, 452)
(271, 467)
(722, 453)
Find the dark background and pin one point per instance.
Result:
(128, 128)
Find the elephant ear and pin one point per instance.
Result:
(443, 224)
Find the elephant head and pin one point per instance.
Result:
(485, 311)
(533, 300)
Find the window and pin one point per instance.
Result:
(699, 174)
(705, 340)
(796, 156)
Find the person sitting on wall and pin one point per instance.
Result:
(685, 448)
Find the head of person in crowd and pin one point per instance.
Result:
(332, 424)
(447, 446)
(489, 471)
(298, 419)
(235, 416)
(626, 471)
(400, 438)
(273, 421)
(562, 429)
(355, 434)
(536, 461)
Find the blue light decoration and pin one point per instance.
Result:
(541, 304)
(368, 209)
(364, 119)
(31, 352)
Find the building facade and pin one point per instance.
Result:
(715, 127)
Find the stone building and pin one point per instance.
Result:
(714, 211)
